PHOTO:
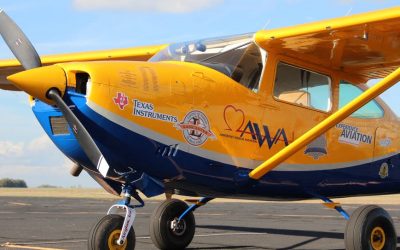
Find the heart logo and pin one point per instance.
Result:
(234, 118)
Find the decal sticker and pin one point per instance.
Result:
(384, 170)
(75, 129)
(196, 128)
(351, 135)
(235, 120)
(317, 148)
(149, 78)
(121, 100)
(124, 174)
(168, 150)
(128, 78)
(146, 110)
(385, 142)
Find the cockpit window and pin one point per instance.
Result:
(237, 57)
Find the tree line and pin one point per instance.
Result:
(8, 183)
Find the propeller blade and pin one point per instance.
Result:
(54, 78)
(18, 43)
(85, 140)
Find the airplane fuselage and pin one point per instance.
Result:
(199, 132)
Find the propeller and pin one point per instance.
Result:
(82, 135)
(18, 43)
(46, 83)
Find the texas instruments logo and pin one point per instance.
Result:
(121, 100)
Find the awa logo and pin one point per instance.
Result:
(196, 128)
(254, 130)
(121, 100)
(235, 120)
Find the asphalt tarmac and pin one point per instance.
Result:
(64, 223)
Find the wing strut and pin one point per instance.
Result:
(325, 125)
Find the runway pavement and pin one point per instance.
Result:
(64, 223)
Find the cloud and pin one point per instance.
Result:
(168, 6)
(11, 149)
(40, 144)
(32, 151)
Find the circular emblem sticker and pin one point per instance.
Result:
(196, 128)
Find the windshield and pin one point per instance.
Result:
(235, 56)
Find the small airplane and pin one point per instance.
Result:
(282, 114)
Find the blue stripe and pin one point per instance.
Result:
(194, 175)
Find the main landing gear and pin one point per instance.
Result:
(173, 225)
(369, 227)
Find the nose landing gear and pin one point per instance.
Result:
(106, 233)
(114, 231)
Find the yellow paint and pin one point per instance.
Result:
(37, 82)
(19, 203)
(323, 126)
(112, 241)
(332, 42)
(331, 205)
(135, 53)
(10, 245)
(9, 67)
(378, 238)
(176, 89)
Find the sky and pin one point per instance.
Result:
(82, 25)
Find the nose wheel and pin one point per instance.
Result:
(105, 234)
(113, 231)
(168, 230)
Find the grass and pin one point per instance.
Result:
(94, 193)
(98, 193)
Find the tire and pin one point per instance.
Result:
(161, 233)
(370, 227)
(106, 231)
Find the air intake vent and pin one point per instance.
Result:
(82, 80)
(59, 125)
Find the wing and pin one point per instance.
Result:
(367, 44)
(9, 67)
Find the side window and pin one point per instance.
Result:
(249, 69)
(302, 87)
(348, 91)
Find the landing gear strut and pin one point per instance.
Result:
(113, 231)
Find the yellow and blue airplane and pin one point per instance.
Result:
(281, 114)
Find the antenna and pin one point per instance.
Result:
(266, 24)
(349, 11)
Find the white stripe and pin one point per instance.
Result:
(103, 166)
(329, 166)
(219, 157)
